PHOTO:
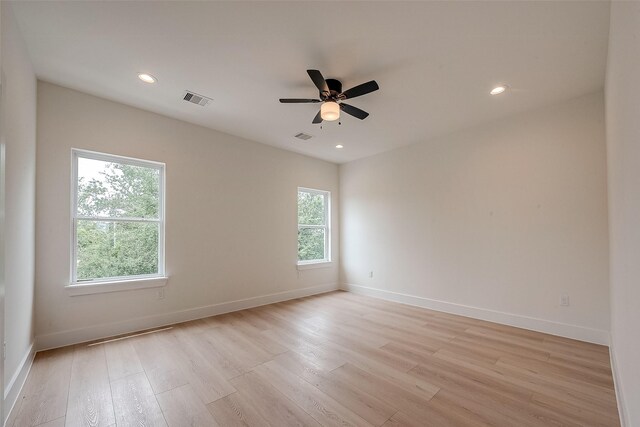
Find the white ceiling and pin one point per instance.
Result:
(434, 61)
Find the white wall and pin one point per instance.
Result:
(495, 222)
(231, 227)
(623, 150)
(19, 133)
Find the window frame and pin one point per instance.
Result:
(116, 283)
(302, 264)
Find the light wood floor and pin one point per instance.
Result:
(335, 359)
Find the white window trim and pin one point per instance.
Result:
(111, 284)
(318, 263)
(310, 265)
(102, 287)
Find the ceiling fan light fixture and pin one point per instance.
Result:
(330, 111)
(330, 92)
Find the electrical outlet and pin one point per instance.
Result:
(161, 293)
(564, 300)
(371, 275)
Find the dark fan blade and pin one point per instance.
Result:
(297, 101)
(317, 119)
(318, 80)
(355, 112)
(360, 90)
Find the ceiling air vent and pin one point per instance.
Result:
(303, 136)
(194, 98)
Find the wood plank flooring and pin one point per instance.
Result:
(336, 359)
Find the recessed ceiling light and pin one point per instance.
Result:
(147, 78)
(339, 146)
(498, 90)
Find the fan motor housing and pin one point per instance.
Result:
(335, 87)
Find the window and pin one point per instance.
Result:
(313, 226)
(118, 218)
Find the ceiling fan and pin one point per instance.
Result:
(332, 97)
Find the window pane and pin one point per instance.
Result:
(111, 249)
(117, 190)
(310, 208)
(310, 244)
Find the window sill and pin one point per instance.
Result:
(76, 289)
(314, 264)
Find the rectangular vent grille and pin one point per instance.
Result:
(194, 98)
(303, 136)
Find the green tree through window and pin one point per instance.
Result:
(118, 222)
(313, 225)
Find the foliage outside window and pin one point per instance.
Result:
(118, 218)
(313, 226)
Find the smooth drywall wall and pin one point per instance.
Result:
(231, 215)
(19, 134)
(497, 221)
(623, 154)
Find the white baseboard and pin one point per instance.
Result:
(595, 336)
(622, 409)
(14, 387)
(76, 336)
